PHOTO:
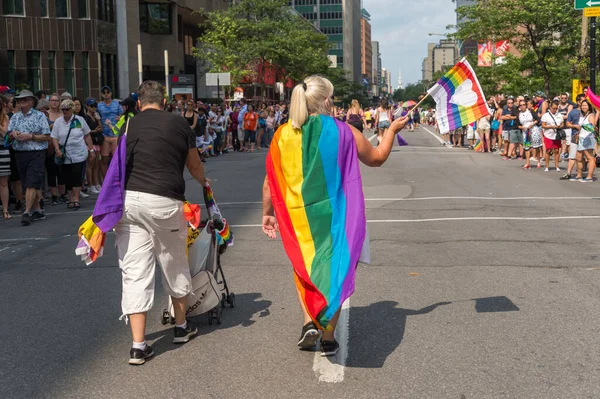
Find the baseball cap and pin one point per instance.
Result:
(6, 89)
(105, 88)
(91, 101)
(540, 93)
(133, 96)
(128, 102)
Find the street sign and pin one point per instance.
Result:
(591, 12)
(583, 4)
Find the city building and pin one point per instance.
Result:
(440, 55)
(386, 84)
(340, 21)
(376, 88)
(81, 45)
(366, 48)
(400, 84)
(468, 45)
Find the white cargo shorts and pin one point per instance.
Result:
(153, 229)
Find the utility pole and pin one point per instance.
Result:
(593, 54)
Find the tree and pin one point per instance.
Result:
(345, 89)
(415, 92)
(545, 33)
(261, 32)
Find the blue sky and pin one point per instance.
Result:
(402, 27)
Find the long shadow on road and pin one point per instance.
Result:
(377, 330)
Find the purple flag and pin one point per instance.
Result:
(401, 141)
(109, 206)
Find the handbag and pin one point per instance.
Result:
(560, 133)
(63, 149)
(495, 124)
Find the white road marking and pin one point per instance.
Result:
(331, 369)
(437, 136)
(468, 218)
(372, 137)
(483, 198)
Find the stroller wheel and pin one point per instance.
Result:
(231, 299)
(223, 300)
(165, 317)
(219, 315)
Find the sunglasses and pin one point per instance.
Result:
(22, 100)
(106, 92)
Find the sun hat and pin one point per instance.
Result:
(26, 94)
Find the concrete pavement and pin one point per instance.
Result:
(484, 284)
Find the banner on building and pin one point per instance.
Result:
(489, 50)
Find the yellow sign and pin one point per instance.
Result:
(591, 12)
(578, 86)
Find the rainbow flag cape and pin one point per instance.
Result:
(316, 189)
(459, 98)
(478, 145)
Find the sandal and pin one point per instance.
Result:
(70, 205)
(76, 205)
(6, 215)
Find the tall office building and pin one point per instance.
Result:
(440, 55)
(376, 68)
(468, 45)
(340, 21)
(82, 45)
(366, 48)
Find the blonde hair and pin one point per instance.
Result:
(356, 106)
(309, 97)
(67, 103)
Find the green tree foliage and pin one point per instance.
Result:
(256, 31)
(415, 92)
(546, 33)
(346, 90)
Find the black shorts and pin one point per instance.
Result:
(31, 166)
(250, 136)
(14, 170)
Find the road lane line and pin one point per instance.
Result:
(459, 219)
(331, 369)
(372, 137)
(437, 136)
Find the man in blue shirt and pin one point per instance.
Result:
(30, 133)
(572, 132)
(109, 111)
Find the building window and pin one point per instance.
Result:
(43, 8)
(7, 70)
(106, 11)
(62, 9)
(155, 18)
(85, 64)
(13, 7)
(69, 72)
(52, 70)
(83, 9)
(108, 75)
(33, 70)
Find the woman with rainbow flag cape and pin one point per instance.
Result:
(313, 195)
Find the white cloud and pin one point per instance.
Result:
(402, 27)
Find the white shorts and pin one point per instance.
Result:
(472, 134)
(572, 150)
(568, 133)
(241, 133)
(505, 135)
(153, 228)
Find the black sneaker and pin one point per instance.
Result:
(565, 177)
(183, 335)
(329, 348)
(54, 200)
(19, 206)
(42, 204)
(26, 219)
(137, 357)
(37, 215)
(309, 336)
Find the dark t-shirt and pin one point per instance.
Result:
(157, 147)
(510, 124)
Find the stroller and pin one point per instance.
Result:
(210, 292)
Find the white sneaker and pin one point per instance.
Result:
(558, 169)
(93, 190)
(98, 187)
(83, 195)
(546, 170)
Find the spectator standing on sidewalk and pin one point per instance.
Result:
(4, 162)
(551, 121)
(511, 136)
(572, 131)
(154, 230)
(109, 111)
(30, 131)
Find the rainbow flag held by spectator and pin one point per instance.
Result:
(459, 98)
(478, 145)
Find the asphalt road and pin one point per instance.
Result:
(484, 283)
